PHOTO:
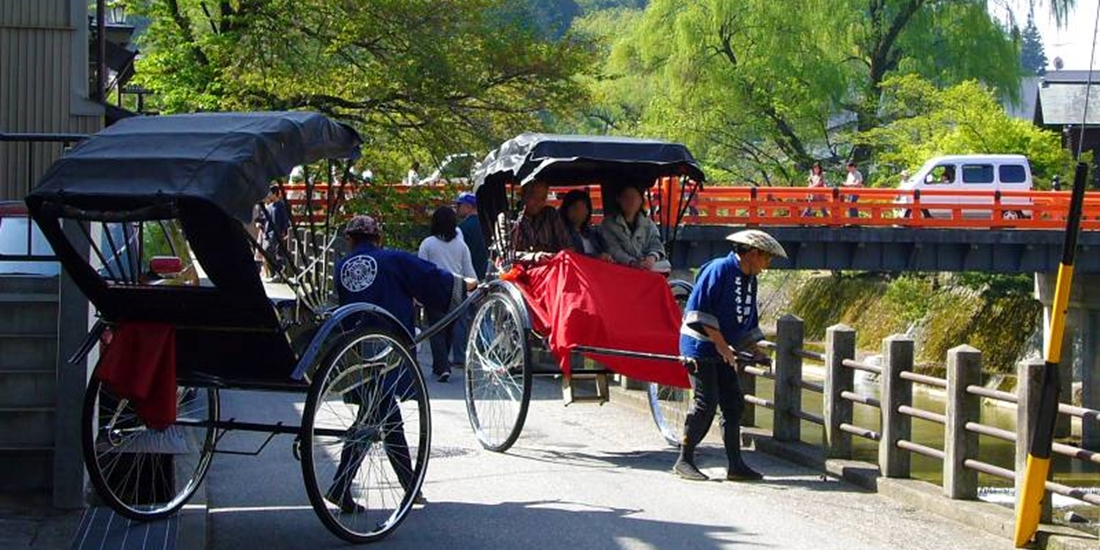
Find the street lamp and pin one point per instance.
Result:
(116, 13)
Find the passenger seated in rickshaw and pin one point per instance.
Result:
(631, 237)
(576, 214)
(390, 279)
(539, 232)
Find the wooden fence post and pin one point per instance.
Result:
(840, 344)
(897, 357)
(964, 367)
(788, 377)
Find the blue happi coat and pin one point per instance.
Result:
(392, 279)
(724, 298)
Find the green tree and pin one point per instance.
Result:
(419, 77)
(965, 118)
(1033, 59)
(764, 92)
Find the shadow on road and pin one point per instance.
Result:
(547, 524)
(778, 474)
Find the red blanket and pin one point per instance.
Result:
(140, 365)
(582, 301)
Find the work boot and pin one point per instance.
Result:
(743, 473)
(687, 470)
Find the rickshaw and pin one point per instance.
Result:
(499, 364)
(152, 219)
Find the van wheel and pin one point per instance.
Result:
(1012, 215)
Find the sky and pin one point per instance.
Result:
(1072, 43)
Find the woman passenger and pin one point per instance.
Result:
(630, 237)
(576, 213)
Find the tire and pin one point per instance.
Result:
(141, 473)
(364, 372)
(669, 405)
(1012, 215)
(498, 373)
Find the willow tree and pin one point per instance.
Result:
(764, 89)
(417, 76)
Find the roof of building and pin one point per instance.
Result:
(1063, 103)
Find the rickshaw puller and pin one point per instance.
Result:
(721, 311)
(390, 279)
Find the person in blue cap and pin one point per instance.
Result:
(721, 318)
(470, 226)
(468, 223)
(390, 279)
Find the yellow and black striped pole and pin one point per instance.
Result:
(1029, 501)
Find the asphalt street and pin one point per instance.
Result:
(580, 477)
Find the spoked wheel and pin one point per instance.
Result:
(142, 473)
(498, 373)
(669, 405)
(366, 436)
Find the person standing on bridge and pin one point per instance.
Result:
(816, 181)
(854, 180)
(720, 319)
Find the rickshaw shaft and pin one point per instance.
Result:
(741, 356)
(633, 354)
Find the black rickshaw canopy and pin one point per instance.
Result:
(227, 160)
(566, 159)
(207, 171)
(562, 160)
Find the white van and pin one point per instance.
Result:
(963, 175)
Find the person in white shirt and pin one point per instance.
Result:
(853, 181)
(816, 181)
(413, 177)
(447, 249)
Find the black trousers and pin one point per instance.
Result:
(716, 386)
(441, 342)
(374, 421)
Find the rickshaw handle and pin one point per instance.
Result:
(742, 356)
(474, 295)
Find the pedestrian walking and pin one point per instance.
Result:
(447, 250)
(470, 227)
(722, 312)
(276, 229)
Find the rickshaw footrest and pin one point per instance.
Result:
(569, 386)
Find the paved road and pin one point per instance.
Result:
(579, 477)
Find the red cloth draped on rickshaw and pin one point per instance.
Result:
(583, 301)
(140, 365)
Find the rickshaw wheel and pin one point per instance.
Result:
(142, 473)
(366, 436)
(498, 373)
(669, 405)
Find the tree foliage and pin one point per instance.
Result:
(1033, 60)
(418, 77)
(963, 119)
(763, 91)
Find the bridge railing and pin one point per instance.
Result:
(965, 397)
(838, 207)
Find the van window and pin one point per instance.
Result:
(1012, 173)
(977, 173)
(944, 173)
